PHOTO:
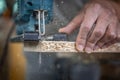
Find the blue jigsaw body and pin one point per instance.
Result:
(25, 19)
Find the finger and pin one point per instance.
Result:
(98, 33)
(73, 24)
(110, 34)
(88, 21)
(118, 37)
(96, 47)
(109, 44)
(118, 33)
(115, 40)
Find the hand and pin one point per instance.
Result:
(99, 26)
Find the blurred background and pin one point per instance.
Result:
(20, 65)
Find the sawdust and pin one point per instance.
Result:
(62, 46)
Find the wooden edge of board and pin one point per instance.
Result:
(63, 46)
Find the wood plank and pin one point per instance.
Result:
(62, 46)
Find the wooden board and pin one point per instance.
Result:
(62, 46)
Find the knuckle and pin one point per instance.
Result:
(98, 33)
(85, 29)
(97, 6)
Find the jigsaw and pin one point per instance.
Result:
(32, 17)
(31, 20)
